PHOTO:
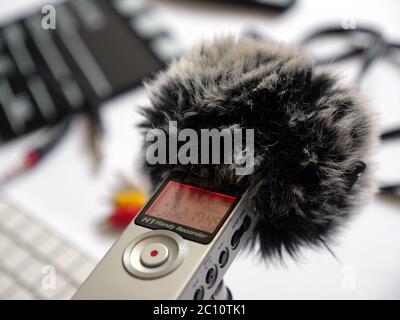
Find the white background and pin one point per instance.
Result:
(65, 194)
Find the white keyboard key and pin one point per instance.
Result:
(46, 243)
(66, 258)
(13, 256)
(13, 220)
(4, 243)
(30, 256)
(67, 292)
(29, 231)
(20, 293)
(82, 271)
(47, 294)
(5, 283)
(31, 273)
(53, 290)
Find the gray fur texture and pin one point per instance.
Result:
(312, 134)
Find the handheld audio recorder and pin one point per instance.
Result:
(178, 247)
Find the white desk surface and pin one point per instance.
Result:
(63, 192)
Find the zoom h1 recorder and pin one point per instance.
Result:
(178, 247)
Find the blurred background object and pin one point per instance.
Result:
(80, 85)
(267, 5)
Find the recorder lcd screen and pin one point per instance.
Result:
(191, 206)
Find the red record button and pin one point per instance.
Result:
(154, 255)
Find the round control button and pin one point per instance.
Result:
(223, 257)
(154, 255)
(199, 293)
(211, 275)
(236, 238)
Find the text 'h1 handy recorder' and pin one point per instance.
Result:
(178, 247)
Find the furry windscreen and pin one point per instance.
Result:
(313, 136)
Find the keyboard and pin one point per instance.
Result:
(36, 263)
(98, 49)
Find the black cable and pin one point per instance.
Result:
(375, 48)
(36, 155)
(372, 49)
(390, 134)
(57, 134)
